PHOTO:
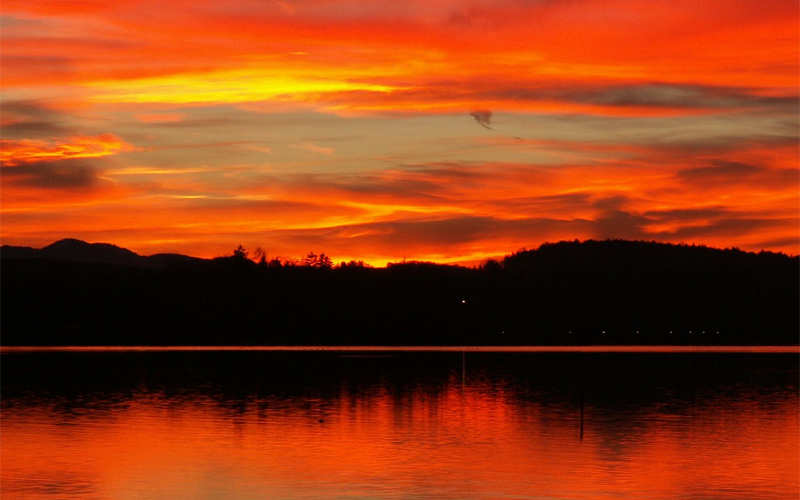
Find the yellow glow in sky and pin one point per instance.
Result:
(223, 87)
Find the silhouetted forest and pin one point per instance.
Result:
(592, 292)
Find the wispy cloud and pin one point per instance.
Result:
(310, 146)
(160, 117)
(27, 151)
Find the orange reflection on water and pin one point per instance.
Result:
(478, 437)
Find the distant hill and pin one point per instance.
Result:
(73, 250)
(592, 292)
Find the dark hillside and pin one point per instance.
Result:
(595, 292)
(624, 287)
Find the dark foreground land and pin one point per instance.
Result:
(595, 292)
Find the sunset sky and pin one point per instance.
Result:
(443, 130)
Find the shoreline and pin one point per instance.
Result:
(757, 349)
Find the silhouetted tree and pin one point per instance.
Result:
(309, 260)
(240, 252)
(492, 267)
(325, 262)
(260, 256)
(353, 264)
(320, 261)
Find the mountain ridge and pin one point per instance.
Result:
(566, 293)
(76, 250)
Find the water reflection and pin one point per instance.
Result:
(247, 425)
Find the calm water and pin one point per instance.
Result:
(398, 425)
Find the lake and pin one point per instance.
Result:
(399, 424)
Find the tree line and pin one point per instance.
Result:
(592, 292)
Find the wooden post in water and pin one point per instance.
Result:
(581, 412)
(580, 391)
(463, 370)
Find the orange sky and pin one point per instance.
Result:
(346, 126)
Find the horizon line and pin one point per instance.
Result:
(743, 349)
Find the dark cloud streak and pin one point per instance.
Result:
(31, 119)
(64, 174)
(483, 117)
(720, 171)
